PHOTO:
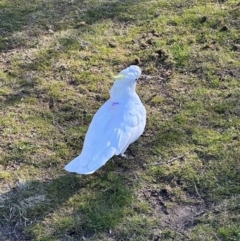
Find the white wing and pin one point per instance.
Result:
(113, 128)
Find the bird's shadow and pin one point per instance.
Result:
(92, 204)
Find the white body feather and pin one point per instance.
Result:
(118, 123)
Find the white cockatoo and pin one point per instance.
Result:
(118, 123)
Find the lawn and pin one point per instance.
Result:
(182, 180)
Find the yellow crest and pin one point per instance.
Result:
(118, 77)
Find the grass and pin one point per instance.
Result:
(56, 63)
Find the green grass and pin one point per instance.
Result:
(56, 63)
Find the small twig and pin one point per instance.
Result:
(171, 160)
(196, 189)
(216, 236)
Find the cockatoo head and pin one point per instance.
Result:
(130, 74)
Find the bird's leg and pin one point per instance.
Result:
(126, 156)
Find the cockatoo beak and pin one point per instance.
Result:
(118, 77)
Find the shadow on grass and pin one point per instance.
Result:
(89, 204)
(36, 18)
(23, 23)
